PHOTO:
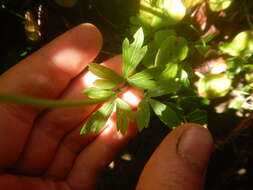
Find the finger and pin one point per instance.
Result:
(73, 143)
(44, 74)
(56, 123)
(97, 155)
(180, 160)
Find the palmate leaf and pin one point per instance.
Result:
(123, 115)
(105, 73)
(165, 113)
(133, 53)
(143, 114)
(96, 93)
(98, 119)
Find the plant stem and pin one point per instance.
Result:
(25, 100)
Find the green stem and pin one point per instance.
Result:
(25, 100)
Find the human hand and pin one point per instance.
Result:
(42, 149)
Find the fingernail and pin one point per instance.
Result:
(195, 146)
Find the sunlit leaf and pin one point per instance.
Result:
(184, 78)
(144, 79)
(98, 119)
(236, 103)
(96, 93)
(162, 13)
(105, 84)
(133, 53)
(219, 5)
(123, 115)
(143, 114)
(173, 49)
(170, 71)
(191, 3)
(242, 44)
(105, 73)
(165, 113)
(214, 85)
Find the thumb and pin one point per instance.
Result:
(180, 160)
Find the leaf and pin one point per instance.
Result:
(123, 115)
(165, 113)
(219, 5)
(163, 34)
(105, 84)
(170, 71)
(214, 85)
(237, 103)
(143, 79)
(105, 73)
(191, 3)
(173, 49)
(162, 13)
(163, 88)
(96, 93)
(241, 44)
(133, 53)
(143, 84)
(198, 116)
(184, 78)
(143, 114)
(98, 119)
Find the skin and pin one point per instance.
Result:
(42, 149)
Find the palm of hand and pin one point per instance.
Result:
(42, 148)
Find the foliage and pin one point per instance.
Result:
(158, 58)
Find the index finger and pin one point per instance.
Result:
(44, 74)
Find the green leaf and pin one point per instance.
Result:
(143, 114)
(143, 84)
(105, 73)
(133, 53)
(236, 103)
(170, 72)
(191, 3)
(105, 84)
(184, 78)
(123, 115)
(165, 113)
(144, 78)
(96, 93)
(163, 88)
(173, 49)
(197, 116)
(163, 34)
(98, 119)
(242, 44)
(214, 85)
(162, 13)
(219, 5)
